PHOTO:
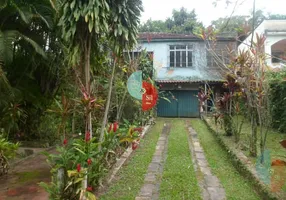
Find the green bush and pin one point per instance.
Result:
(278, 104)
(7, 151)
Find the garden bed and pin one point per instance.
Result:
(243, 162)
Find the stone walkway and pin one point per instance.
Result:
(22, 182)
(210, 184)
(150, 189)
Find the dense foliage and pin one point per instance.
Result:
(7, 151)
(182, 21)
(278, 99)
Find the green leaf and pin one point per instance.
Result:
(72, 4)
(90, 25)
(79, 150)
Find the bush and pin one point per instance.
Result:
(278, 104)
(7, 151)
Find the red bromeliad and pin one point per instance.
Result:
(65, 142)
(134, 145)
(89, 161)
(87, 136)
(78, 167)
(89, 189)
(113, 127)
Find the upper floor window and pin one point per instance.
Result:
(181, 55)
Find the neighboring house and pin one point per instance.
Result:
(275, 43)
(183, 65)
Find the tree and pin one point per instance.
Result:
(154, 26)
(181, 21)
(85, 23)
(29, 49)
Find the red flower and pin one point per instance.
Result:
(65, 142)
(87, 136)
(89, 161)
(113, 127)
(89, 188)
(139, 129)
(78, 167)
(134, 145)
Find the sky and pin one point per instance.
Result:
(206, 11)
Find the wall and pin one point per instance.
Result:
(273, 30)
(161, 59)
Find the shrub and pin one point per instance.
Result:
(7, 151)
(278, 104)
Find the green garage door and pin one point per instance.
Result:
(185, 105)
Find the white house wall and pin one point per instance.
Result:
(273, 30)
(161, 58)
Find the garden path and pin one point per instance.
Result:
(150, 188)
(210, 185)
(22, 181)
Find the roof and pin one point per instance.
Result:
(274, 25)
(157, 36)
(187, 75)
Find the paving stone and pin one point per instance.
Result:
(147, 190)
(162, 138)
(198, 149)
(153, 167)
(205, 194)
(160, 147)
(200, 155)
(212, 181)
(216, 193)
(150, 178)
(143, 198)
(161, 143)
(197, 144)
(206, 170)
(158, 153)
(202, 163)
(157, 159)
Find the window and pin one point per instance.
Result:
(181, 55)
(278, 57)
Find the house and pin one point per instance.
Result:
(183, 65)
(275, 43)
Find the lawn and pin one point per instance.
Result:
(272, 142)
(235, 185)
(131, 176)
(179, 178)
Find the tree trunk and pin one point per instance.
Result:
(253, 139)
(87, 82)
(104, 121)
(121, 105)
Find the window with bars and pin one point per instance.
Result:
(181, 55)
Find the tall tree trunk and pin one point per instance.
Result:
(121, 105)
(104, 121)
(253, 137)
(87, 51)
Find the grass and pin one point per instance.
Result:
(28, 176)
(272, 142)
(179, 178)
(236, 186)
(131, 176)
